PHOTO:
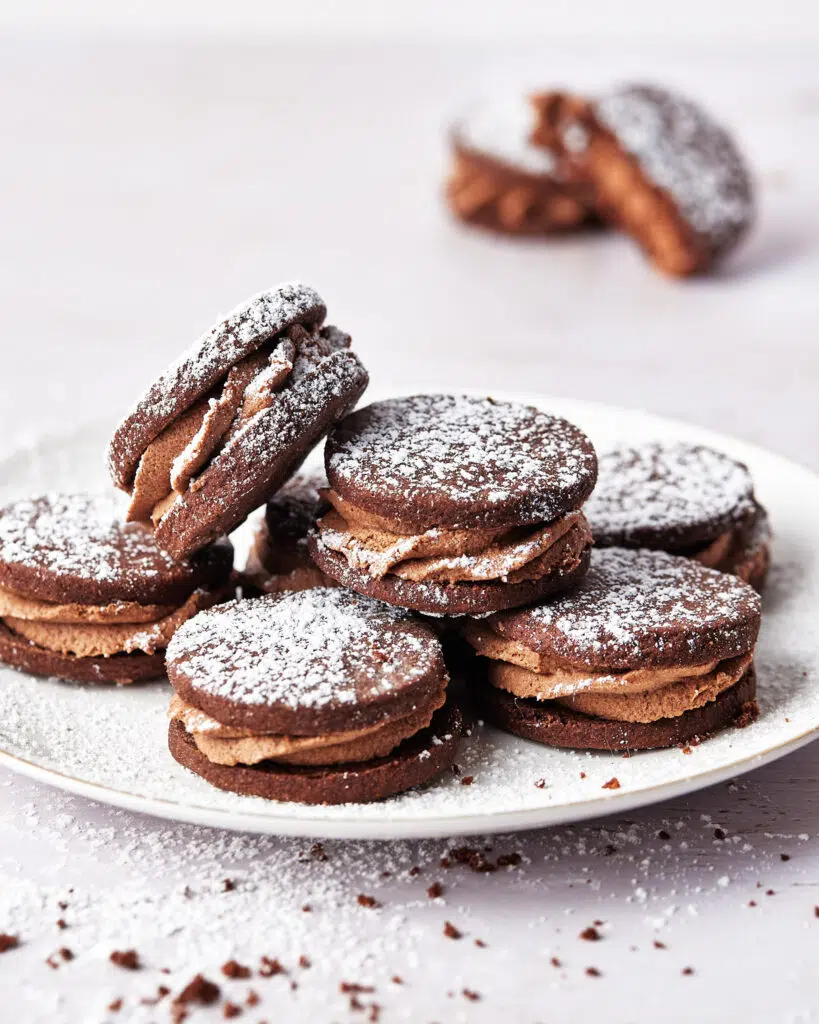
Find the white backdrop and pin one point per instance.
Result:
(700, 21)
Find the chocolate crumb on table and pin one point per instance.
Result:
(228, 885)
(688, 970)
(230, 1010)
(66, 953)
(304, 962)
(397, 979)
(659, 945)
(435, 891)
(555, 962)
(198, 990)
(613, 783)
(664, 835)
(127, 959)
(467, 780)
(472, 996)
(593, 972)
(8, 942)
(367, 901)
(451, 931)
(590, 934)
(61, 924)
(253, 998)
(270, 966)
(480, 943)
(115, 1006)
(233, 969)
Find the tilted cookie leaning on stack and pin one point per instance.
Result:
(685, 499)
(649, 650)
(234, 417)
(320, 696)
(88, 598)
(452, 505)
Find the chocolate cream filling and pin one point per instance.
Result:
(90, 631)
(640, 695)
(380, 546)
(224, 744)
(174, 462)
(742, 551)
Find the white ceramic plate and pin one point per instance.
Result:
(110, 743)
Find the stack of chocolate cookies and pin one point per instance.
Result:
(319, 674)
(640, 157)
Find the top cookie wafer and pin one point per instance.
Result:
(305, 663)
(635, 609)
(244, 330)
(76, 548)
(671, 496)
(460, 462)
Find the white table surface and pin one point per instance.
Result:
(145, 187)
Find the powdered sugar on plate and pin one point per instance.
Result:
(307, 649)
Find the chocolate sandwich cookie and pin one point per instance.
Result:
(658, 166)
(319, 696)
(279, 559)
(453, 505)
(499, 180)
(89, 598)
(649, 650)
(685, 499)
(227, 424)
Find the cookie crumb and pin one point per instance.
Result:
(66, 953)
(8, 942)
(451, 931)
(270, 967)
(367, 901)
(317, 852)
(304, 962)
(719, 834)
(613, 783)
(115, 1006)
(228, 885)
(784, 857)
(664, 835)
(540, 783)
(467, 780)
(253, 998)
(688, 970)
(480, 943)
(127, 959)
(233, 969)
(593, 972)
(472, 996)
(509, 860)
(659, 945)
(396, 979)
(230, 1010)
(198, 990)
(435, 891)
(555, 962)
(590, 934)
(307, 908)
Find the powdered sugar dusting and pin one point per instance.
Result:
(454, 449)
(309, 649)
(667, 489)
(628, 596)
(82, 536)
(500, 128)
(684, 152)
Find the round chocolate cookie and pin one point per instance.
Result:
(682, 498)
(75, 548)
(279, 559)
(320, 695)
(447, 598)
(500, 181)
(558, 726)
(88, 598)
(639, 609)
(227, 424)
(305, 663)
(660, 167)
(417, 760)
(455, 461)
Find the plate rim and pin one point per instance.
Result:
(375, 825)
